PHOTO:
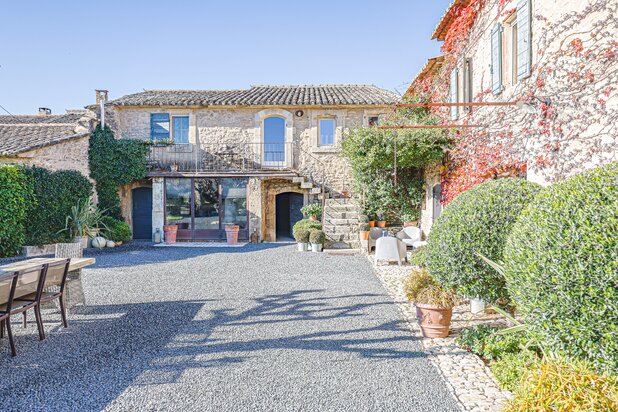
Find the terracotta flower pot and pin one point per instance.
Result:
(231, 234)
(170, 232)
(313, 217)
(382, 224)
(364, 235)
(434, 320)
(372, 223)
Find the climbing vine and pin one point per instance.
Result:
(572, 89)
(114, 163)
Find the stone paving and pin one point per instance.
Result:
(468, 378)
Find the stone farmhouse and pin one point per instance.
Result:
(55, 142)
(248, 157)
(551, 67)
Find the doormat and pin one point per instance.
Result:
(200, 244)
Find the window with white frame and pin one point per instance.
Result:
(180, 129)
(326, 131)
(166, 127)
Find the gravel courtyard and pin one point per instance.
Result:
(258, 328)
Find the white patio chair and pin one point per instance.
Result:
(375, 233)
(409, 235)
(390, 249)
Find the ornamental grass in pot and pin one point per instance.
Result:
(434, 303)
(302, 239)
(317, 239)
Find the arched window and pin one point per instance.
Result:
(274, 140)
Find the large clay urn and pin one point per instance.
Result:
(434, 320)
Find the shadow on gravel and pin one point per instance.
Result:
(108, 348)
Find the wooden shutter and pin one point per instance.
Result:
(496, 59)
(524, 52)
(159, 126)
(454, 93)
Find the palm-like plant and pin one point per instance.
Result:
(84, 220)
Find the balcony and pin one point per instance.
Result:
(220, 158)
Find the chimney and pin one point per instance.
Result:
(44, 111)
(101, 100)
(101, 96)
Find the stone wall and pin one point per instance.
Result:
(220, 126)
(69, 155)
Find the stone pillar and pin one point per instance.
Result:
(254, 207)
(158, 210)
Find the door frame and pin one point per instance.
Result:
(133, 209)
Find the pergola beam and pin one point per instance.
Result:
(456, 104)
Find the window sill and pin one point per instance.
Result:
(325, 149)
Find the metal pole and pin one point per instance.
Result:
(395, 156)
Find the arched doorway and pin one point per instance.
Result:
(287, 212)
(437, 197)
(142, 213)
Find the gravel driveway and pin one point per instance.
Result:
(258, 328)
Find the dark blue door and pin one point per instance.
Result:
(142, 213)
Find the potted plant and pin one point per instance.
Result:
(434, 309)
(302, 238)
(84, 221)
(363, 231)
(372, 220)
(409, 218)
(317, 239)
(381, 220)
(169, 233)
(231, 234)
(313, 210)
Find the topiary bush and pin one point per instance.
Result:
(117, 230)
(477, 221)
(301, 235)
(317, 236)
(306, 224)
(561, 264)
(419, 257)
(55, 193)
(15, 199)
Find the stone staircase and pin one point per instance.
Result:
(341, 223)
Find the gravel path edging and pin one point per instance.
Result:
(466, 376)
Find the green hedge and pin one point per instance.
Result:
(55, 193)
(306, 224)
(561, 263)
(15, 198)
(478, 220)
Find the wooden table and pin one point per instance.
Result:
(76, 263)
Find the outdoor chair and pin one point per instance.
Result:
(375, 233)
(26, 296)
(74, 292)
(390, 249)
(8, 284)
(55, 277)
(410, 235)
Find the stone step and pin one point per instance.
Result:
(306, 185)
(328, 213)
(315, 190)
(341, 222)
(338, 229)
(298, 179)
(342, 201)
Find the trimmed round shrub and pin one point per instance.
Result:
(301, 235)
(56, 193)
(117, 230)
(306, 224)
(419, 257)
(477, 221)
(15, 198)
(561, 264)
(316, 236)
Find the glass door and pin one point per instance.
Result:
(274, 142)
(206, 224)
(234, 205)
(178, 206)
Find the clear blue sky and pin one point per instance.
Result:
(55, 53)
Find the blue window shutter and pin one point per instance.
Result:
(524, 51)
(496, 59)
(454, 93)
(159, 126)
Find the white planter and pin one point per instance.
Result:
(110, 243)
(99, 242)
(316, 247)
(302, 247)
(477, 306)
(84, 240)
